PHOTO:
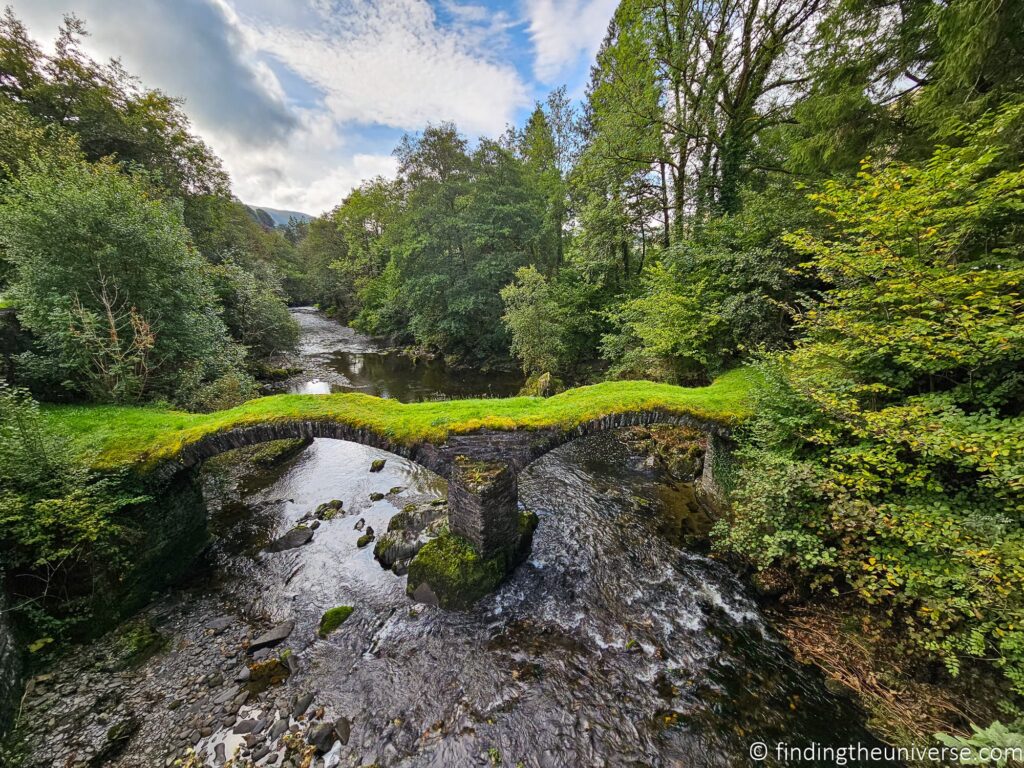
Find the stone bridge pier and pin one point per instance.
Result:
(483, 504)
(487, 536)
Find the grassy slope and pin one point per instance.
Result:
(125, 434)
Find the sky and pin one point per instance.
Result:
(303, 99)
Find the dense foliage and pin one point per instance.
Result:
(116, 300)
(134, 273)
(62, 528)
(888, 457)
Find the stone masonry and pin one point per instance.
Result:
(481, 466)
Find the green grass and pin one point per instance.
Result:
(117, 435)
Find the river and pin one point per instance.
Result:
(613, 645)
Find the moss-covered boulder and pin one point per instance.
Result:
(542, 385)
(377, 465)
(448, 571)
(333, 619)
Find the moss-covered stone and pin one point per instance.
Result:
(400, 521)
(477, 475)
(333, 619)
(263, 674)
(138, 641)
(448, 571)
(528, 522)
(365, 539)
(376, 496)
(377, 465)
(542, 385)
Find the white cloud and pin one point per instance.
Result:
(189, 48)
(394, 63)
(389, 62)
(564, 31)
(311, 171)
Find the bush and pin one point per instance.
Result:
(255, 311)
(233, 388)
(58, 521)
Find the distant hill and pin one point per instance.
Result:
(274, 217)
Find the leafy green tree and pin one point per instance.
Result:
(536, 323)
(254, 310)
(317, 283)
(87, 241)
(889, 79)
(104, 108)
(888, 452)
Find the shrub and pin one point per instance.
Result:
(58, 522)
(94, 252)
(887, 457)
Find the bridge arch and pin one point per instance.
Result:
(485, 515)
(516, 447)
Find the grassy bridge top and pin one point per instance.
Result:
(119, 435)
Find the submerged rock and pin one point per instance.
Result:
(118, 736)
(343, 729)
(273, 636)
(296, 537)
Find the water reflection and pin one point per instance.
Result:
(340, 359)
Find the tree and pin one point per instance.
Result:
(253, 309)
(889, 79)
(79, 235)
(536, 323)
(105, 109)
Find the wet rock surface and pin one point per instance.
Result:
(90, 710)
(295, 538)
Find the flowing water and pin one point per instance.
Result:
(339, 359)
(612, 646)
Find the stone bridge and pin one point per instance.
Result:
(485, 514)
(480, 446)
